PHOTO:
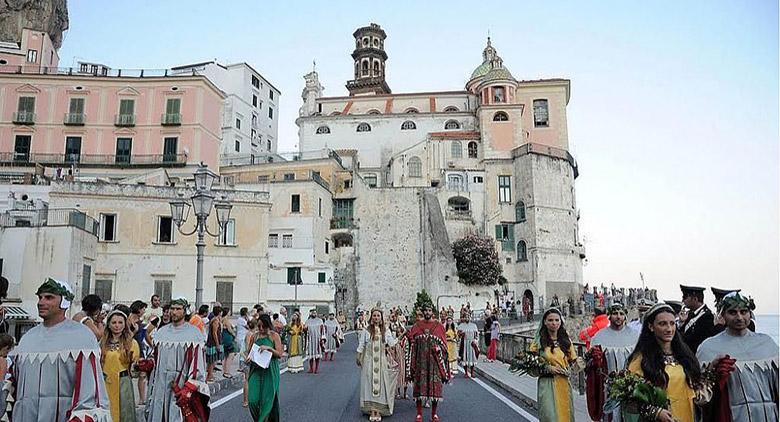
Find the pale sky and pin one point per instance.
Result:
(673, 116)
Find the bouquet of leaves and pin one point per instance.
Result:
(634, 394)
(527, 363)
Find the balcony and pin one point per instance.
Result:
(49, 218)
(171, 119)
(458, 214)
(93, 160)
(74, 119)
(124, 120)
(342, 223)
(24, 117)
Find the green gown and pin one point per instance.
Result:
(264, 388)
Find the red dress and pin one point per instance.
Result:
(427, 364)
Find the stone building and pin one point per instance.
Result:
(491, 158)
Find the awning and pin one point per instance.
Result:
(16, 312)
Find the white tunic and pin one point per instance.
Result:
(331, 333)
(468, 357)
(617, 346)
(315, 333)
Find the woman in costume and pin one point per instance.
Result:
(377, 379)
(295, 348)
(118, 353)
(452, 344)
(397, 356)
(552, 342)
(264, 382)
(661, 357)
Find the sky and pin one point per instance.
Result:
(673, 117)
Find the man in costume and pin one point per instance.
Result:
(315, 341)
(609, 351)
(177, 386)
(427, 364)
(469, 343)
(746, 364)
(700, 324)
(720, 324)
(332, 336)
(56, 372)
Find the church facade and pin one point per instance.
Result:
(430, 167)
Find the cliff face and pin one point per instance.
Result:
(43, 15)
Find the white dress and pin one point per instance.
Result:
(377, 378)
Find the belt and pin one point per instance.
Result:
(124, 374)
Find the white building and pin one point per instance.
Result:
(250, 125)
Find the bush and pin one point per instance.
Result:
(477, 260)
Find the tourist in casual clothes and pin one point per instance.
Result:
(295, 344)
(118, 353)
(264, 382)
(90, 315)
(746, 364)
(552, 343)
(487, 327)
(315, 340)
(214, 349)
(158, 322)
(495, 337)
(47, 389)
(177, 387)
(427, 365)
(452, 345)
(377, 379)
(342, 320)
(600, 321)
(199, 319)
(609, 350)
(155, 309)
(244, 362)
(469, 344)
(331, 336)
(229, 345)
(661, 357)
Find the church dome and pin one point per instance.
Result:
(481, 70)
(498, 73)
(492, 67)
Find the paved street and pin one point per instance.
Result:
(333, 395)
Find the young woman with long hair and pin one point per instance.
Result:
(295, 349)
(118, 352)
(553, 343)
(264, 382)
(377, 382)
(452, 344)
(661, 357)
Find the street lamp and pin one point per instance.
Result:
(202, 201)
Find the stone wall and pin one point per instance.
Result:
(50, 16)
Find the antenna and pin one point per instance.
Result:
(314, 65)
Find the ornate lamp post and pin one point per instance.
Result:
(202, 202)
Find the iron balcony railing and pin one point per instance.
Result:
(93, 159)
(124, 120)
(76, 119)
(24, 117)
(171, 119)
(49, 218)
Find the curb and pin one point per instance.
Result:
(527, 401)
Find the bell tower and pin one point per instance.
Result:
(369, 62)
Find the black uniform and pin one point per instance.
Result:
(698, 327)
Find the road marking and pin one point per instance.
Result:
(237, 393)
(506, 401)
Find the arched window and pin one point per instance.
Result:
(473, 149)
(268, 143)
(452, 124)
(522, 253)
(458, 204)
(411, 110)
(500, 116)
(364, 127)
(451, 109)
(408, 125)
(374, 111)
(323, 130)
(365, 67)
(376, 68)
(456, 149)
(415, 167)
(520, 211)
(455, 182)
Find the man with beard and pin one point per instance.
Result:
(177, 384)
(315, 341)
(332, 333)
(746, 364)
(610, 348)
(469, 344)
(427, 364)
(700, 324)
(56, 372)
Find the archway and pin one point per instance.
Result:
(528, 305)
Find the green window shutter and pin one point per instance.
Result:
(76, 105)
(321, 277)
(27, 104)
(126, 106)
(172, 106)
(499, 232)
(290, 275)
(509, 243)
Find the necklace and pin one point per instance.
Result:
(113, 344)
(670, 360)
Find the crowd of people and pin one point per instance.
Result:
(710, 366)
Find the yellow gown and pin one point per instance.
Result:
(452, 346)
(554, 392)
(114, 363)
(679, 393)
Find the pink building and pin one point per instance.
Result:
(34, 53)
(107, 124)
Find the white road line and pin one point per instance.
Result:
(505, 400)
